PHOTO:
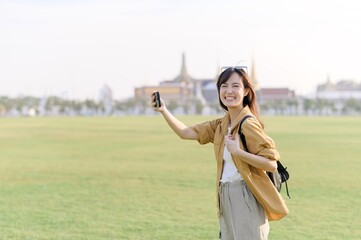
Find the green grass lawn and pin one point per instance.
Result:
(132, 178)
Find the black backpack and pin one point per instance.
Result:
(278, 177)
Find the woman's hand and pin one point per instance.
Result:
(153, 104)
(252, 159)
(232, 144)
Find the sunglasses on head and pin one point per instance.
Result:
(239, 68)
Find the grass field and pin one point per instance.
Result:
(132, 178)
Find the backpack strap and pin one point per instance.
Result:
(243, 138)
(280, 168)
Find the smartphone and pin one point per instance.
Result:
(157, 99)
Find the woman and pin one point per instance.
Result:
(246, 197)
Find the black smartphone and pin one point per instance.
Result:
(157, 99)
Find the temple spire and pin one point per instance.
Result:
(184, 68)
(253, 76)
(183, 77)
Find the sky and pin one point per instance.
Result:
(72, 48)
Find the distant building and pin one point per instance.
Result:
(343, 89)
(340, 98)
(274, 101)
(273, 94)
(184, 94)
(106, 99)
(278, 101)
(209, 91)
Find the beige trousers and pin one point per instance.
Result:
(241, 216)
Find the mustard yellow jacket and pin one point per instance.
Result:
(257, 143)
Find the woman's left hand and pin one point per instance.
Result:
(232, 144)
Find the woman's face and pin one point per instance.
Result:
(232, 92)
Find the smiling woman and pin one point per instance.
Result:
(238, 79)
(246, 197)
(232, 91)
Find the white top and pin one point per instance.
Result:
(230, 172)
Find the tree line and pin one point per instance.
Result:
(54, 105)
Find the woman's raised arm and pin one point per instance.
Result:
(183, 131)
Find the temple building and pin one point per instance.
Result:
(184, 93)
(339, 98)
(187, 95)
(343, 89)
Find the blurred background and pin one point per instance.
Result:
(105, 57)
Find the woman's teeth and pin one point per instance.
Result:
(230, 98)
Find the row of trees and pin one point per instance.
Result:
(350, 106)
(317, 106)
(53, 105)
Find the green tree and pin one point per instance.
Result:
(173, 105)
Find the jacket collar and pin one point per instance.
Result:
(225, 122)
